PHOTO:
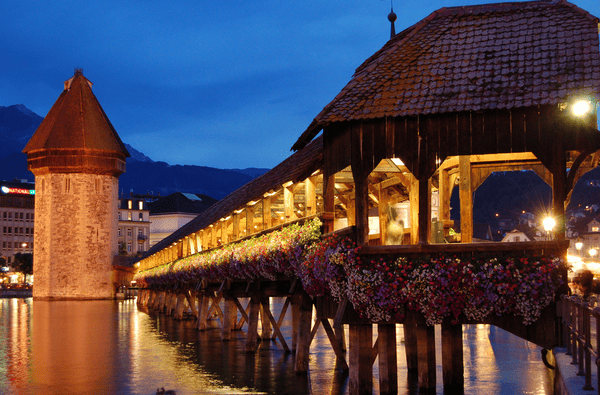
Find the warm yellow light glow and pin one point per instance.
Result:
(578, 245)
(593, 252)
(549, 223)
(397, 162)
(581, 107)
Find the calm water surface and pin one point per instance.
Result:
(111, 347)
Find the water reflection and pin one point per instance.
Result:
(110, 347)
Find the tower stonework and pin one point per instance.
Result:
(77, 158)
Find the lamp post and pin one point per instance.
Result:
(593, 252)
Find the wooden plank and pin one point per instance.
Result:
(361, 354)
(242, 311)
(310, 196)
(490, 132)
(424, 211)
(229, 318)
(532, 128)
(304, 331)
(426, 356)
(252, 332)
(466, 200)
(388, 359)
(191, 303)
(264, 320)
(504, 131)
(286, 304)
(478, 138)
(452, 358)
(379, 141)
(464, 133)
(410, 346)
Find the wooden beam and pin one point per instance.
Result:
(466, 200)
(310, 193)
(361, 359)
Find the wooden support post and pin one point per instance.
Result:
(271, 319)
(236, 226)
(252, 334)
(179, 305)
(424, 211)
(310, 193)
(413, 194)
(296, 301)
(466, 199)
(384, 219)
(388, 359)
(288, 203)
(362, 210)
(265, 333)
(266, 211)
(249, 220)
(229, 317)
(452, 358)
(203, 301)
(426, 354)
(361, 359)
(559, 189)
(304, 331)
(328, 202)
(189, 295)
(444, 193)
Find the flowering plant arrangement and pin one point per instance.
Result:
(438, 287)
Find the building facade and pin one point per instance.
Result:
(17, 202)
(133, 232)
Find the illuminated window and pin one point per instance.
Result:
(129, 204)
(141, 204)
(595, 228)
(129, 216)
(141, 217)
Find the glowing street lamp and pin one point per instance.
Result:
(578, 247)
(549, 224)
(593, 252)
(581, 107)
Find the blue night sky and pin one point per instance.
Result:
(227, 84)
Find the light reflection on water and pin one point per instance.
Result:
(110, 347)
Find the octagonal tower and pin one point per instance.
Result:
(77, 157)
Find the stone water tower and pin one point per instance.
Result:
(77, 157)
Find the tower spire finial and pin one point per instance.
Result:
(392, 18)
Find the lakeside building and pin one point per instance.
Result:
(16, 218)
(133, 230)
(171, 212)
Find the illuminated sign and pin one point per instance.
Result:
(19, 191)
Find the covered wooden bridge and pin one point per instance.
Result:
(462, 93)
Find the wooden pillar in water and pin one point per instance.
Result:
(265, 333)
(361, 359)
(304, 330)
(452, 358)
(426, 356)
(295, 302)
(388, 359)
(252, 332)
(229, 316)
(203, 301)
(410, 347)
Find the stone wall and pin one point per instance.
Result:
(75, 236)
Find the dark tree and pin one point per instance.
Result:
(24, 264)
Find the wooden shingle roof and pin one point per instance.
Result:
(76, 121)
(484, 57)
(296, 168)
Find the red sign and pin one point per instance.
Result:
(19, 191)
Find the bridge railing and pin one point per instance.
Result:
(581, 329)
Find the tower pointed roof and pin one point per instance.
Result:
(76, 135)
(77, 121)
